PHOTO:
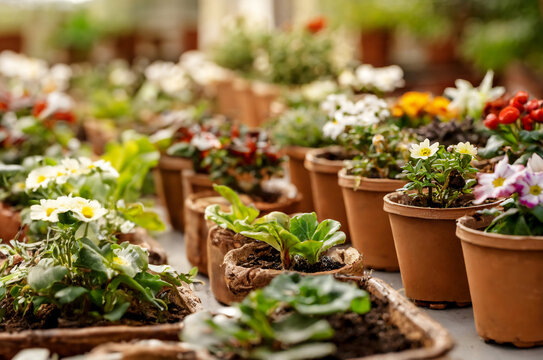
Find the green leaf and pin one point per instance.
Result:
(136, 213)
(129, 259)
(69, 294)
(326, 229)
(538, 212)
(41, 278)
(117, 312)
(303, 226)
(297, 328)
(91, 257)
(151, 282)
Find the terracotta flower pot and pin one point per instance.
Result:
(264, 95)
(10, 222)
(169, 187)
(226, 98)
(375, 46)
(197, 227)
(505, 275)
(429, 253)
(245, 103)
(299, 175)
(241, 280)
(369, 224)
(194, 183)
(327, 195)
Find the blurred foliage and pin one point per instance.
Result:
(79, 31)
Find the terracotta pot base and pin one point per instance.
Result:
(440, 305)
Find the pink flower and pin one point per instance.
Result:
(499, 184)
(530, 189)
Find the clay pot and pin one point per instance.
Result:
(245, 103)
(98, 134)
(299, 175)
(75, 341)
(197, 227)
(241, 280)
(369, 224)
(169, 187)
(194, 183)
(505, 274)
(327, 194)
(375, 46)
(264, 95)
(429, 253)
(140, 237)
(226, 98)
(10, 222)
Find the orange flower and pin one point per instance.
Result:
(397, 111)
(439, 106)
(413, 102)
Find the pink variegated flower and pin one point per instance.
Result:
(499, 184)
(530, 188)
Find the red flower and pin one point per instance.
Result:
(491, 121)
(38, 108)
(315, 25)
(509, 115)
(527, 123)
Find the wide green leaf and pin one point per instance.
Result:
(304, 225)
(69, 294)
(41, 277)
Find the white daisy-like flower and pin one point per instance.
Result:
(535, 163)
(48, 210)
(86, 210)
(423, 150)
(40, 177)
(332, 129)
(106, 168)
(127, 227)
(466, 148)
(205, 141)
(73, 167)
(318, 90)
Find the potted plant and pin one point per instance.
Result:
(422, 217)
(324, 164)
(365, 181)
(368, 79)
(505, 243)
(299, 243)
(306, 317)
(78, 276)
(298, 131)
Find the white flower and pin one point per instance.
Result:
(333, 102)
(423, 150)
(86, 210)
(205, 141)
(57, 78)
(318, 90)
(332, 129)
(127, 227)
(535, 163)
(470, 101)
(169, 77)
(466, 148)
(347, 78)
(370, 79)
(105, 167)
(73, 167)
(56, 102)
(47, 210)
(122, 76)
(40, 178)
(18, 187)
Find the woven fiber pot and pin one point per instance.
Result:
(369, 224)
(241, 280)
(10, 222)
(197, 227)
(327, 195)
(299, 175)
(505, 275)
(74, 341)
(169, 187)
(146, 350)
(429, 253)
(194, 183)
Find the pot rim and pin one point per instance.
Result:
(297, 152)
(368, 184)
(168, 162)
(392, 207)
(466, 231)
(314, 163)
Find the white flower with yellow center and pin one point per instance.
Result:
(73, 167)
(466, 148)
(47, 210)
(40, 177)
(423, 150)
(86, 210)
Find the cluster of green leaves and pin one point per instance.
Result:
(441, 180)
(285, 320)
(383, 150)
(239, 219)
(81, 277)
(300, 127)
(512, 218)
(519, 145)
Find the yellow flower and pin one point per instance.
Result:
(413, 102)
(466, 148)
(423, 150)
(397, 111)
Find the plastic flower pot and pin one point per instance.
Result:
(369, 224)
(242, 280)
(505, 274)
(429, 253)
(169, 187)
(10, 222)
(299, 175)
(327, 195)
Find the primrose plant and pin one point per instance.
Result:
(252, 329)
(302, 235)
(440, 177)
(522, 212)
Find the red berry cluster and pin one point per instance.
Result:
(519, 107)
